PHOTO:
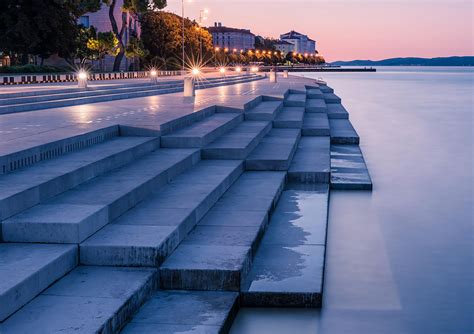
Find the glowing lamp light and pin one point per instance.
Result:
(276, 53)
(222, 70)
(257, 51)
(226, 49)
(195, 71)
(82, 75)
(241, 50)
(217, 49)
(238, 69)
(294, 54)
(264, 52)
(153, 73)
(306, 55)
(235, 50)
(254, 69)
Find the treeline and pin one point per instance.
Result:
(42, 28)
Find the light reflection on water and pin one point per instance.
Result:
(399, 259)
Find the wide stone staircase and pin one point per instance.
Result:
(103, 232)
(44, 99)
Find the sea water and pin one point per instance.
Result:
(400, 258)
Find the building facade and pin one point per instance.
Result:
(302, 43)
(231, 38)
(285, 47)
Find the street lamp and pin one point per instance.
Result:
(82, 79)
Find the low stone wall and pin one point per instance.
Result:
(33, 78)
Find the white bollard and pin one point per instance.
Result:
(82, 80)
(153, 77)
(285, 74)
(273, 76)
(189, 88)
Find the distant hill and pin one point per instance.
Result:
(444, 61)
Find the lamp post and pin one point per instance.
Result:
(202, 18)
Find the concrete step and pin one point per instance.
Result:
(314, 93)
(295, 100)
(315, 124)
(289, 264)
(85, 93)
(23, 152)
(311, 163)
(207, 312)
(30, 186)
(78, 213)
(28, 269)
(342, 132)
(289, 117)
(264, 111)
(331, 98)
(147, 234)
(337, 111)
(316, 106)
(217, 254)
(237, 143)
(348, 168)
(87, 300)
(203, 132)
(275, 151)
(325, 89)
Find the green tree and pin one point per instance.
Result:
(133, 7)
(105, 44)
(83, 52)
(162, 37)
(135, 50)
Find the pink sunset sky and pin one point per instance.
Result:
(353, 29)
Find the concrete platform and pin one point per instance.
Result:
(314, 93)
(147, 234)
(289, 117)
(311, 163)
(348, 168)
(26, 270)
(207, 312)
(88, 300)
(275, 151)
(203, 132)
(316, 106)
(331, 98)
(342, 132)
(264, 111)
(289, 264)
(238, 143)
(315, 124)
(208, 263)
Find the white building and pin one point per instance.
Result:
(302, 43)
(231, 38)
(285, 47)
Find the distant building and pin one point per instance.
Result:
(302, 43)
(284, 47)
(231, 38)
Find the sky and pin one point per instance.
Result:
(352, 29)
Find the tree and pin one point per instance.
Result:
(105, 44)
(133, 7)
(162, 37)
(83, 52)
(135, 49)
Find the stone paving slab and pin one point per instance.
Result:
(315, 124)
(27, 269)
(295, 100)
(289, 117)
(275, 151)
(237, 143)
(264, 111)
(203, 132)
(206, 312)
(316, 106)
(331, 98)
(88, 300)
(336, 110)
(342, 132)
(288, 268)
(314, 93)
(348, 168)
(311, 163)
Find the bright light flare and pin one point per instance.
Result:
(82, 75)
(254, 69)
(195, 71)
(153, 73)
(222, 70)
(238, 69)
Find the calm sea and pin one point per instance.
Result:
(400, 258)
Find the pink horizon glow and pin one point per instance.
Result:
(353, 29)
